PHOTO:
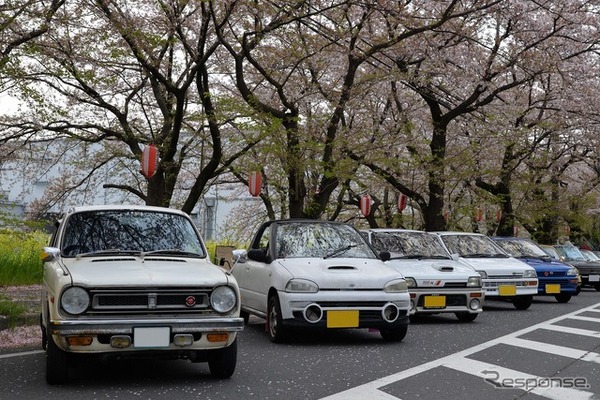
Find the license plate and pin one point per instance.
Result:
(342, 319)
(151, 337)
(507, 290)
(594, 278)
(553, 288)
(434, 302)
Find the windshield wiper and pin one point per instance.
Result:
(171, 251)
(485, 255)
(339, 251)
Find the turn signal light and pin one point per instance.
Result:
(218, 337)
(79, 340)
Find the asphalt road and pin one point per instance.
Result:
(440, 358)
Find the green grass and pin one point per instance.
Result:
(11, 310)
(20, 262)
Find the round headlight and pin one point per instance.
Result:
(75, 300)
(223, 299)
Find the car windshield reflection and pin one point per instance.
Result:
(409, 245)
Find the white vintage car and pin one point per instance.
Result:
(503, 276)
(436, 282)
(319, 274)
(135, 281)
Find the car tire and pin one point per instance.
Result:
(466, 316)
(522, 302)
(577, 291)
(44, 335)
(57, 367)
(597, 286)
(223, 361)
(277, 331)
(563, 297)
(394, 334)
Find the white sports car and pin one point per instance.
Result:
(436, 282)
(322, 275)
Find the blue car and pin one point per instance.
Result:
(555, 278)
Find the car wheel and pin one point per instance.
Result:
(222, 362)
(563, 297)
(394, 334)
(56, 363)
(465, 316)
(522, 302)
(597, 286)
(274, 320)
(245, 316)
(577, 291)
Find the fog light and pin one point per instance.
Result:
(313, 313)
(474, 304)
(390, 312)
(120, 341)
(218, 337)
(79, 340)
(183, 340)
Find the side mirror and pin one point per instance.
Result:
(259, 255)
(385, 255)
(50, 254)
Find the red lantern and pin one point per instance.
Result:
(149, 161)
(478, 214)
(365, 204)
(402, 202)
(255, 183)
(499, 215)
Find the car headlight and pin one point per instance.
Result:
(396, 286)
(223, 299)
(474, 281)
(302, 286)
(572, 271)
(483, 274)
(75, 300)
(410, 282)
(530, 273)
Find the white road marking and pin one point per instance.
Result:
(460, 362)
(20, 354)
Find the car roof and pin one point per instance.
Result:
(121, 207)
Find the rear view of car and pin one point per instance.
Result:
(503, 276)
(436, 282)
(555, 278)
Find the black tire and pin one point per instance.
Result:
(223, 361)
(394, 334)
(466, 316)
(563, 297)
(277, 331)
(44, 335)
(57, 366)
(577, 291)
(245, 316)
(597, 286)
(522, 302)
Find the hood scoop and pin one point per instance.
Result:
(341, 268)
(444, 268)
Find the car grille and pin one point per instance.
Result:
(455, 284)
(106, 301)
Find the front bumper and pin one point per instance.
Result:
(550, 287)
(424, 301)
(510, 287)
(349, 309)
(101, 332)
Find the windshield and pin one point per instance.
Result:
(474, 246)
(114, 231)
(521, 248)
(551, 251)
(570, 253)
(408, 244)
(320, 239)
(590, 255)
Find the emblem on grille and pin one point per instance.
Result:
(190, 301)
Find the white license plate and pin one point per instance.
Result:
(151, 337)
(594, 278)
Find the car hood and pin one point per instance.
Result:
(496, 266)
(341, 272)
(545, 266)
(433, 269)
(149, 272)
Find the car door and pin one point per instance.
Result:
(257, 275)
